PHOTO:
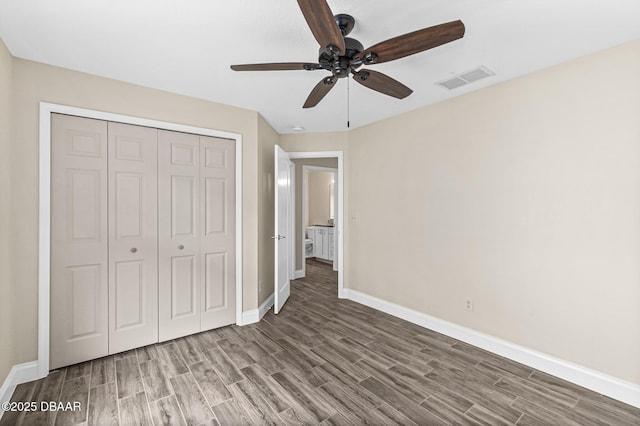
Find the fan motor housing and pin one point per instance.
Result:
(342, 65)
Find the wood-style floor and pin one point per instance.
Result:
(322, 360)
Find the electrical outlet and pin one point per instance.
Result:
(468, 305)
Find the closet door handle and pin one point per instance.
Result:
(180, 247)
(133, 250)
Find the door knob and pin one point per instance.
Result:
(180, 247)
(279, 237)
(133, 250)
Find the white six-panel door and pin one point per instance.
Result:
(79, 240)
(178, 234)
(281, 213)
(217, 232)
(133, 229)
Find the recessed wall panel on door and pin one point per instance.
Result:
(79, 238)
(178, 234)
(217, 232)
(133, 242)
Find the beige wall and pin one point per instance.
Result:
(306, 142)
(35, 82)
(318, 162)
(6, 317)
(318, 198)
(525, 197)
(267, 139)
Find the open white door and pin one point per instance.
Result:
(282, 255)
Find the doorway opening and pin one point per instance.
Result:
(290, 218)
(315, 212)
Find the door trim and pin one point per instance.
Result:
(292, 220)
(44, 209)
(294, 155)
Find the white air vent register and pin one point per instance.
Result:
(466, 78)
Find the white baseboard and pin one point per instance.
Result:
(250, 317)
(596, 381)
(255, 315)
(20, 373)
(266, 305)
(298, 274)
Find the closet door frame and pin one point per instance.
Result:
(44, 214)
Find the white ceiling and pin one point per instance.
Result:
(186, 47)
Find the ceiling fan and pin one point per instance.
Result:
(343, 55)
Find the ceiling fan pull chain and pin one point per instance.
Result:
(348, 103)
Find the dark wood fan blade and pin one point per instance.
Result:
(322, 24)
(415, 42)
(319, 92)
(382, 83)
(282, 66)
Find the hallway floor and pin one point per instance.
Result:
(322, 360)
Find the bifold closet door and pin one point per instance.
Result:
(178, 234)
(133, 236)
(79, 238)
(142, 239)
(196, 212)
(218, 225)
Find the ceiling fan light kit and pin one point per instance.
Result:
(343, 56)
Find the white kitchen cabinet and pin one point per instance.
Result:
(330, 244)
(323, 241)
(320, 242)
